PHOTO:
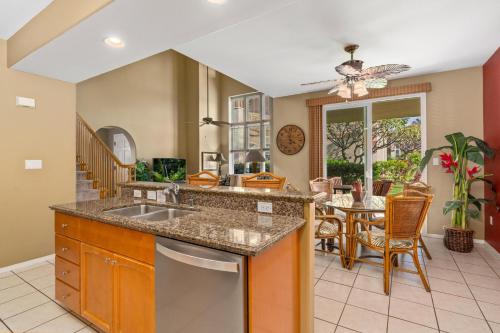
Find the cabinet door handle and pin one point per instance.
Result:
(107, 260)
(114, 262)
(64, 273)
(64, 225)
(66, 296)
(64, 249)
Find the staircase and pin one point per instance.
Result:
(98, 171)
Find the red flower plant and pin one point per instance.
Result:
(473, 171)
(448, 163)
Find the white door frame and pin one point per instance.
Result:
(367, 104)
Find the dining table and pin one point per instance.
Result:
(345, 203)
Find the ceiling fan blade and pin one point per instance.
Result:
(347, 70)
(376, 83)
(384, 70)
(317, 82)
(220, 122)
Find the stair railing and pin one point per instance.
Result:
(100, 162)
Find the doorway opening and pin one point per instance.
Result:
(120, 142)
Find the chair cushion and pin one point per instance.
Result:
(326, 229)
(378, 240)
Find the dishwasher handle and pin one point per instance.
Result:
(216, 265)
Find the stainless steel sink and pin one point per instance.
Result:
(167, 214)
(135, 210)
(150, 212)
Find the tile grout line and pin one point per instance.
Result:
(4, 324)
(474, 297)
(347, 299)
(432, 298)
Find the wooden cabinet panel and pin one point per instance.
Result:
(130, 243)
(97, 286)
(68, 296)
(67, 225)
(134, 296)
(274, 288)
(68, 249)
(68, 272)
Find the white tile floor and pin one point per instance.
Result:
(465, 297)
(27, 303)
(465, 294)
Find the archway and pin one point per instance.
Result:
(120, 142)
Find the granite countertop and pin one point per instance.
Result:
(238, 232)
(261, 193)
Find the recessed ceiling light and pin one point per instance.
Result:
(217, 2)
(114, 42)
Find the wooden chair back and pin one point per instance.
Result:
(336, 181)
(264, 180)
(405, 215)
(321, 184)
(417, 186)
(382, 187)
(203, 178)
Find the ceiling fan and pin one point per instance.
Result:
(357, 80)
(209, 120)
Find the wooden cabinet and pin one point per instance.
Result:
(97, 286)
(134, 296)
(105, 274)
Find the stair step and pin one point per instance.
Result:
(84, 184)
(87, 195)
(81, 175)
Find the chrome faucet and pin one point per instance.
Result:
(173, 191)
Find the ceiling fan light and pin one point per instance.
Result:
(344, 91)
(360, 88)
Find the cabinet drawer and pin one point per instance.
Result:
(129, 243)
(68, 272)
(68, 249)
(68, 296)
(67, 225)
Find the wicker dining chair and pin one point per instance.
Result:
(264, 180)
(404, 217)
(336, 181)
(382, 187)
(420, 187)
(203, 178)
(327, 228)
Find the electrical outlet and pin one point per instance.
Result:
(264, 207)
(435, 161)
(137, 194)
(491, 220)
(151, 195)
(160, 196)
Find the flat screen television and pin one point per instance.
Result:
(173, 169)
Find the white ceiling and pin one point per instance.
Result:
(274, 45)
(147, 27)
(14, 14)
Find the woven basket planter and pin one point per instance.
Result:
(458, 240)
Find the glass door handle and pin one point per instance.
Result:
(216, 265)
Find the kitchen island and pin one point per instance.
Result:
(105, 262)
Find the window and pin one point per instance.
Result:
(250, 130)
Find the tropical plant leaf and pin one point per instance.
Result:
(477, 202)
(473, 213)
(457, 140)
(483, 146)
(428, 155)
(451, 205)
(476, 157)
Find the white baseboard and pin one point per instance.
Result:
(476, 241)
(27, 263)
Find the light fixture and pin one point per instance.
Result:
(217, 2)
(360, 88)
(113, 41)
(344, 91)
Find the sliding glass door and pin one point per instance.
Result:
(392, 152)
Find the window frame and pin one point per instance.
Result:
(245, 123)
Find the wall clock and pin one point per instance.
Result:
(290, 139)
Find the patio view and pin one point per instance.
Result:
(395, 147)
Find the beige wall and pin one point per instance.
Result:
(455, 104)
(46, 133)
(151, 99)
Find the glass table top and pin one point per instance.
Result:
(346, 203)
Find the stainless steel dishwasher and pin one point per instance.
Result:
(199, 290)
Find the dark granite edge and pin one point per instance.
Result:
(293, 196)
(240, 249)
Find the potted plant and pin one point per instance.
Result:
(463, 159)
